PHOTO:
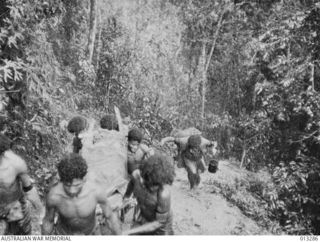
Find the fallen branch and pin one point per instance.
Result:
(10, 91)
(305, 138)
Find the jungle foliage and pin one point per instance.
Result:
(247, 73)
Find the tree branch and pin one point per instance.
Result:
(214, 40)
(304, 138)
(92, 30)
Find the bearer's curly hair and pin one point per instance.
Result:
(109, 122)
(72, 166)
(135, 135)
(158, 170)
(77, 124)
(194, 141)
(5, 143)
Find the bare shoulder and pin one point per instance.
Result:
(55, 194)
(99, 195)
(182, 140)
(136, 174)
(205, 141)
(164, 199)
(16, 161)
(165, 192)
(144, 147)
(92, 184)
(94, 189)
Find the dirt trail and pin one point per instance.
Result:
(205, 212)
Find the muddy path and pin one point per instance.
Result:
(200, 212)
(205, 212)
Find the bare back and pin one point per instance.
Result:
(11, 167)
(149, 202)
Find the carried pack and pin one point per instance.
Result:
(181, 133)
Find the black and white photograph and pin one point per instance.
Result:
(159, 117)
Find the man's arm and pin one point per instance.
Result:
(48, 220)
(111, 218)
(129, 190)
(146, 228)
(32, 195)
(203, 165)
(135, 175)
(147, 151)
(167, 139)
(27, 186)
(164, 205)
(206, 144)
(214, 147)
(162, 214)
(132, 165)
(181, 143)
(86, 137)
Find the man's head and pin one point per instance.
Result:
(5, 143)
(194, 141)
(134, 139)
(109, 122)
(125, 113)
(72, 170)
(157, 171)
(77, 124)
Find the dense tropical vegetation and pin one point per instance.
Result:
(247, 73)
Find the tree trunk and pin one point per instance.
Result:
(243, 156)
(312, 76)
(189, 98)
(99, 44)
(206, 65)
(215, 37)
(236, 49)
(204, 82)
(93, 29)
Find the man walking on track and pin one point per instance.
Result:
(151, 186)
(15, 189)
(191, 152)
(74, 200)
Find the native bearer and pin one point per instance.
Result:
(151, 185)
(74, 200)
(137, 152)
(15, 189)
(191, 150)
